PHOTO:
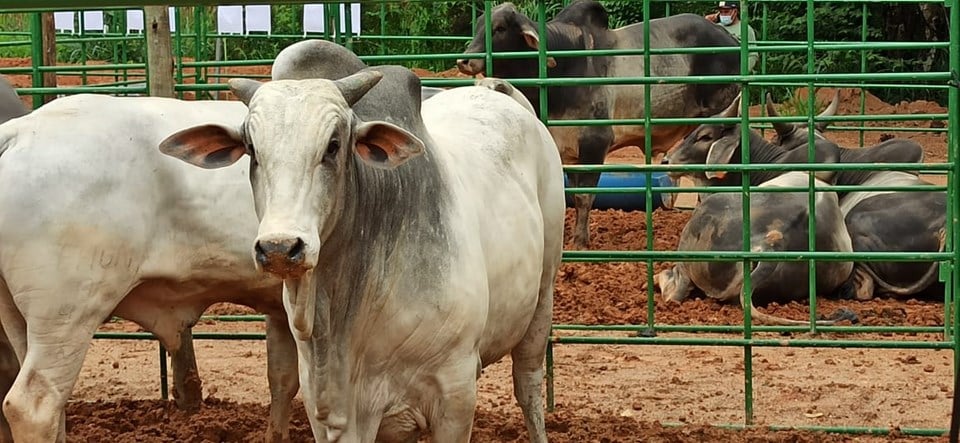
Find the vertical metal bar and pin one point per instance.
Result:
(383, 26)
(542, 56)
(488, 39)
(953, 239)
(648, 157)
(164, 389)
(178, 44)
(745, 200)
(811, 157)
(200, 38)
(864, 13)
(36, 56)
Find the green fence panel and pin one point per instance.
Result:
(384, 47)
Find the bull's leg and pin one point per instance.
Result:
(527, 360)
(582, 203)
(58, 337)
(187, 387)
(9, 367)
(12, 344)
(452, 422)
(594, 142)
(282, 376)
(674, 284)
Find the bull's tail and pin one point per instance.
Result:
(764, 270)
(927, 279)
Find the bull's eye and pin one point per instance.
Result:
(499, 29)
(704, 138)
(332, 148)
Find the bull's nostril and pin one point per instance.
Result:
(261, 254)
(296, 252)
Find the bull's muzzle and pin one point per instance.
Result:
(284, 257)
(471, 66)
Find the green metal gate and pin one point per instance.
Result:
(652, 333)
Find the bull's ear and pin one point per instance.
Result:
(532, 38)
(720, 153)
(385, 145)
(207, 146)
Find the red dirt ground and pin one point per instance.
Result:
(605, 393)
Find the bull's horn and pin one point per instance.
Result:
(354, 87)
(834, 104)
(782, 128)
(734, 109)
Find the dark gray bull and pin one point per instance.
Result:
(895, 150)
(883, 221)
(10, 104)
(779, 222)
(584, 25)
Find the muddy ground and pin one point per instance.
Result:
(604, 393)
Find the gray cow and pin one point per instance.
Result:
(10, 105)
(895, 150)
(779, 222)
(883, 221)
(584, 25)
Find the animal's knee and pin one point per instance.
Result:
(32, 410)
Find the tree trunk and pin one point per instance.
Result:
(48, 33)
(159, 51)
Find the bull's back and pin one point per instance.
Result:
(87, 172)
(507, 177)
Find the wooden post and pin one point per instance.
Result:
(159, 51)
(48, 34)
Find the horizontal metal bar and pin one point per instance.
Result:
(755, 189)
(920, 432)
(763, 328)
(44, 5)
(774, 46)
(764, 167)
(755, 342)
(730, 256)
(758, 119)
(196, 335)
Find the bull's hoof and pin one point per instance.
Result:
(844, 314)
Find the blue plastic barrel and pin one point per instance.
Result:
(627, 202)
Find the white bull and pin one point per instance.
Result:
(413, 252)
(95, 222)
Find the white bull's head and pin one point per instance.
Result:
(303, 139)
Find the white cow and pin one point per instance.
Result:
(413, 252)
(95, 222)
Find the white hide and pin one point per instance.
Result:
(414, 354)
(95, 221)
(879, 178)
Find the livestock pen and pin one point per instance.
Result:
(700, 362)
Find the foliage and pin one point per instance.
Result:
(779, 23)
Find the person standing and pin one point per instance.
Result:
(728, 16)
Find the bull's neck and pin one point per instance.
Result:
(761, 151)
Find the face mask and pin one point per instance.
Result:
(726, 20)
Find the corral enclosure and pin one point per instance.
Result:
(624, 365)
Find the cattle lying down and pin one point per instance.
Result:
(895, 150)
(400, 284)
(720, 144)
(778, 222)
(95, 222)
(584, 25)
(883, 221)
